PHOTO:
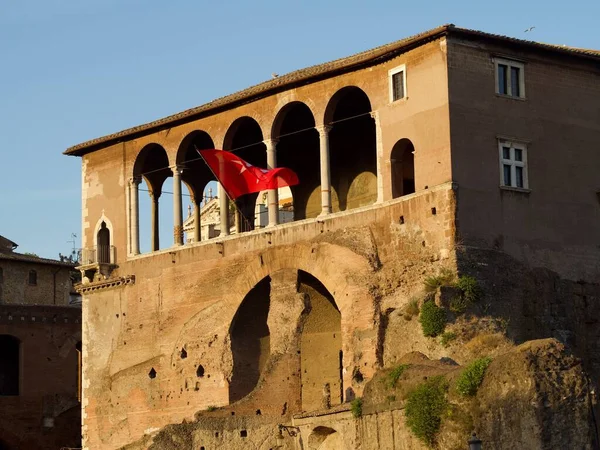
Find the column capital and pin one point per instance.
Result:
(176, 169)
(323, 129)
(271, 143)
(135, 180)
(374, 114)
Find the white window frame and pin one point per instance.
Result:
(391, 74)
(510, 63)
(513, 163)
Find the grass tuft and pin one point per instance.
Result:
(356, 407)
(447, 337)
(445, 277)
(471, 378)
(396, 373)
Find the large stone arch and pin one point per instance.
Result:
(341, 271)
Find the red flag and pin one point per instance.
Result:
(239, 177)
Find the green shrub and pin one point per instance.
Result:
(471, 378)
(446, 338)
(212, 408)
(425, 407)
(471, 291)
(356, 407)
(445, 277)
(433, 319)
(396, 373)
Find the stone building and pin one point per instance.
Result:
(453, 149)
(40, 348)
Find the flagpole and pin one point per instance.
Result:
(229, 197)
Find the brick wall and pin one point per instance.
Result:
(48, 378)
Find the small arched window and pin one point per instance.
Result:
(32, 278)
(9, 365)
(403, 168)
(103, 240)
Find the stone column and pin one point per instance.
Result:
(223, 211)
(177, 207)
(197, 204)
(135, 214)
(325, 170)
(155, 245)
(379, 155)
(273, 194)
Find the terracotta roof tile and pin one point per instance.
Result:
(13, 256)
(313, 73)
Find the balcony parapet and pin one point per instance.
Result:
(97, 263)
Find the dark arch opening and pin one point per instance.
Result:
(152, 164)
(298, 149)
(244, 138)
(352, 149)
(103, 244)
(403, 168)
(196, 176)
(9, 365)
(250, 340)
(321, 434)
(321, 346)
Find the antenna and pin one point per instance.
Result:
(74, 251)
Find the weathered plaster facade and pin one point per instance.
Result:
(294, 318)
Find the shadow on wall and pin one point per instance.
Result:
(250, 341)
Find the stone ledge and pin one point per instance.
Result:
(324, 412)
(105, 284)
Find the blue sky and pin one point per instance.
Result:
(73, 70)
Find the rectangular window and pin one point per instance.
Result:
(510, 80)
(397, 81)
(32, 278)
(502, 78)
(1, 275)
(513, 164)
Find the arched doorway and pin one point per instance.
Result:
(9, 365)
(402, 162)
(250, 340)
(245, 138)
(352, 149)
(196, 175)
(321, 347)
(298, 149)
(103, 244)
(152, 166)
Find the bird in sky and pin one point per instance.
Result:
(529, 29)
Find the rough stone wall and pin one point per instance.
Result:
(48, 378)
(52, 288)
(536, 303)
(555, 224)
(180, 301)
